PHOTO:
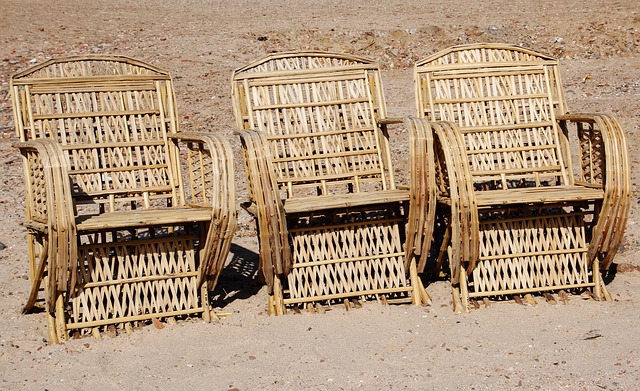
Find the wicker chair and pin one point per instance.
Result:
(115, 234)
(519, 219)
(331, 220)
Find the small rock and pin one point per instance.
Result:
(157, 323)
(592, 334)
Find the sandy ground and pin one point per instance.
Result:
(582, 345)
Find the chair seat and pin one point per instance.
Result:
(143, 218)
(311, 204)
(538, 195)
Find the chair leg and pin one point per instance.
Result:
(455, 294)
(278, 299)
(31, 250)
(599, 290)
(420, 295)
(60, 319)
(413, 276)
(464, 290)
(52, 335)
(443, 252)
(271, 309)
(206, 308)
(605, 292)
(426, 299)
(597, 277)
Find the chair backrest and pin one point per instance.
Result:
(319, 113)
(111, 115)
(503, 98)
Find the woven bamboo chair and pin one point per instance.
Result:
(115, 234)
(330, 217)
(519, 219)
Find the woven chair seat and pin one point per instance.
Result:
(300, 205)
(538, 195)
(143, 218)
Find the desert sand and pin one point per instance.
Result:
(583, 344)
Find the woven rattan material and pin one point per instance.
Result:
(331, 220)
(519, 221)
(116, 234)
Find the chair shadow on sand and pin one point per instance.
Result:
(238, 280)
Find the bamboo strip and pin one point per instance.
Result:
(310, 104)
(324, 133)
(534, 254)
(172, 276)
(84, 325)
(310, 264)
(124, 113)
(379, 291)
(529, 290)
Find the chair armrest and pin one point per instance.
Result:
(210, 168)
(603, 145)
(49, 201)
(270, 215)
(605, 162)
(453, 172)
(390, 121)
(422, 204)
(212, 183)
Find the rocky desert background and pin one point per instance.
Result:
(581, 345)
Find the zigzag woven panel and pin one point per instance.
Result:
(531, 254)
(351, 260)
(135, 278)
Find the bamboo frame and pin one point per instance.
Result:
(332, 224)
(115, 233)
(518, 220)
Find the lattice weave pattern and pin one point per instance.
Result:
(531, 253)
(506, 116)
(361, 257)
(321, 132)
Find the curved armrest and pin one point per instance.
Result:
(455, 174)
(212, 176)
(604, 162)
(422, 205)
(49, 201)
(275, 252)
(390, 121)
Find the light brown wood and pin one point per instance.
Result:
(520, 221)
(331, 221)
(116, 232)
